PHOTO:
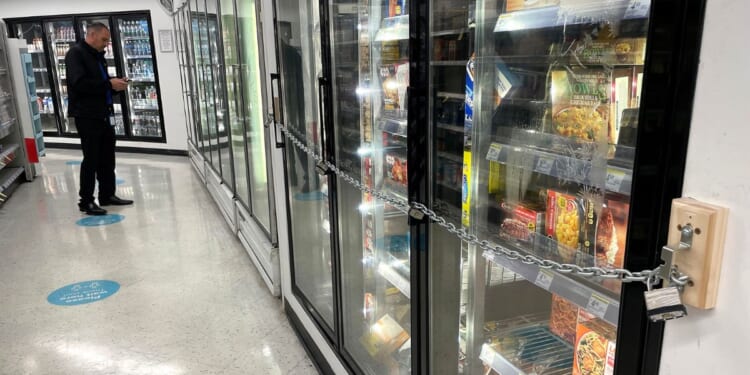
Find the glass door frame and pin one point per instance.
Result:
(333, 335)
(674, 38)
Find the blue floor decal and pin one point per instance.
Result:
(95, 221)
(83, 292)
(119, 181)
(311, 196)
(73, 162)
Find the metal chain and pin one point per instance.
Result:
(624, 275)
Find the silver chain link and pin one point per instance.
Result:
(621, 274)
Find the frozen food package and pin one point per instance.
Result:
(611, 233)
(594, 352)
(394, 78)
(571, 221)
(395, 171)
(580, 103)
(563, 319)
(469, 100)
(522, 220)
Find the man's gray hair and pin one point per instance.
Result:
(95, 27)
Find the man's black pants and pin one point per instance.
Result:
(98, 145)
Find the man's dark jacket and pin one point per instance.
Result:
(87, 87)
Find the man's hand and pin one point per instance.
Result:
(118, 84)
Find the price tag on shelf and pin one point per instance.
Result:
(597, 305)
(614, 179)
(544, 165)
(544, 279)
(494, 152)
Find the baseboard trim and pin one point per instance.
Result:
(139, 150)
(312, 350)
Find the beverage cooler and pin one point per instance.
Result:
(552, 129)
(137, 110)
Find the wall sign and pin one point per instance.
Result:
(165, 41)
(83, 292)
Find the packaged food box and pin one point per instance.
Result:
(594, 352)
(563, 319)
(385, 336)
(571, 221)
(522, 220)
(580, 103)
(396, 171)
(394, 80)
(611, 231)
(515, 5)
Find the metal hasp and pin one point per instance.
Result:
(668, 253)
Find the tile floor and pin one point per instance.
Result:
(190, 301)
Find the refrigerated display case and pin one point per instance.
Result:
(33, 34)
(370, 77)
(61, 34)
(559, 92)
(518, 122)
(137, 61)
(138, 113)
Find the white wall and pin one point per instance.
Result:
(716, 342)
(167, 64)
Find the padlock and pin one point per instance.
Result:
(663, 304)
(322, 168)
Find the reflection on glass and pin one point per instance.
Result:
(199, 50)
(234, 99)
(61, 35)
(299, 53)
(32, 33)
(256, 138)
(370, 78)
(207, 107)
(222, 163)
(555, 117)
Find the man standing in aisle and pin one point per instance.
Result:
(90, 91)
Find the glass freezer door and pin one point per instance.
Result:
(299, 45)
(252, 95)
(33, 34)
(135, 48)
(109, 55)
(370, 64)
(555, 113)
(61, 35)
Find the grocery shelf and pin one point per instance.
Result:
(449, 156)
(8, 155)
(142, 80)
(394, 28)
(450, 32)
(64, 41)
(541, 348)
(146, 37)
(7, 128)
(8, 176)
(401, 283)
(451, 95)
(553, 16)
(448, 63)
(133, 57)
(455, 128)
(599, 304)
(569, 168)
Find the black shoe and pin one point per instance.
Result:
(115, 201)
(91, 209)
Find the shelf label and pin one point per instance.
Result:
(544, 279)
(614, 179)
(494, 152)
(597, 305)
(544, 165)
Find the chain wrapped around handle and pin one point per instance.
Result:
(621, 274)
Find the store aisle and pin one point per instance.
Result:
(190, 300)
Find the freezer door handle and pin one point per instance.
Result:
(274, 115)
